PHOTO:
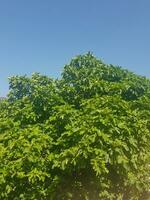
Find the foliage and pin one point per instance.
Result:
(85, 136)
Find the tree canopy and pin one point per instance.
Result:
(83, 136)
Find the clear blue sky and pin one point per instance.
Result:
(43, 35)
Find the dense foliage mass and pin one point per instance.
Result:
(84, 136)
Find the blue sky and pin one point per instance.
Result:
(43, 35)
